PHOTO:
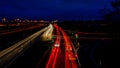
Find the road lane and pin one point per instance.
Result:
(70, 58)
(7, 32)
(38, 52)
(47, 35)
(53, 61)
(15, 49)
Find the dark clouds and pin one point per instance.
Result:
(52, 8)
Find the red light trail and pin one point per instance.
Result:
(55, 59)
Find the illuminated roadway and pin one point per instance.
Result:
(13, 51)
(60, 54)
(54, 59)
(47, 35)
(57, 52)
(63, 54)
(10, 31)
(71, 60)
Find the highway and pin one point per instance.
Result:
(10, 31)
(9, 37)
(60, 52)
(9, 53)
(71, 60)
(53, 61)
(42, 50)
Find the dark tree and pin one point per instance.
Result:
(112, 15)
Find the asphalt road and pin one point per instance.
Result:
(92, 54)
(31, 57)
(10, 39)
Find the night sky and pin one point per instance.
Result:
(53, 9)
